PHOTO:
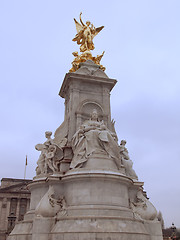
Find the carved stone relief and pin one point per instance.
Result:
(143, 208)
(49, 206)
(85, 110)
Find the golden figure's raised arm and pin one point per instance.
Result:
(81, 19)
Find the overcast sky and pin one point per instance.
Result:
(141, 40)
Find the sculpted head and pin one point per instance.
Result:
(88, 23)
(94, 115)
(48, 134)
(52, 148)
(123, 142)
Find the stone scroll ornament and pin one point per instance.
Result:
(49, 206)
(84, 38)
(143, 208)
(93, 137)
(51, 155)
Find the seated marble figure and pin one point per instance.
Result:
(93, 137)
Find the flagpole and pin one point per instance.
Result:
(25, 168)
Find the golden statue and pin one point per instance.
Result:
(84, 38)
(85, 34)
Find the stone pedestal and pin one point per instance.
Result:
(87, 89)
(97, 208)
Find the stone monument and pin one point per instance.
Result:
(85, 187)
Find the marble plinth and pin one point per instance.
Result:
(97, 208)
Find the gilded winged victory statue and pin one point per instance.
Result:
(84, 38)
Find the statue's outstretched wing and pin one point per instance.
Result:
(79, 35)
(79, 27)
(96, 31)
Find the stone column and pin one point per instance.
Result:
(18, 209)
(3, 216)
(7, 212)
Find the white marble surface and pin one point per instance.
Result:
(102, 200)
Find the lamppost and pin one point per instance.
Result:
(173, 235)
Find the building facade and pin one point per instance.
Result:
(14, 203)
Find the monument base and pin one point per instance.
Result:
(97, 209)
